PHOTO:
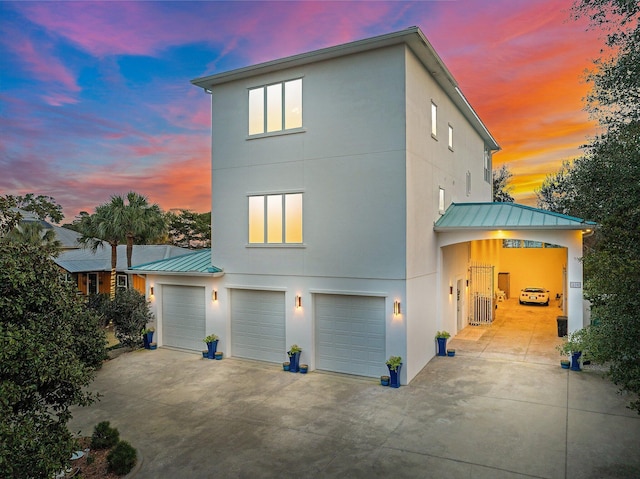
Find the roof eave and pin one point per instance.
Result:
(412, 37)
(216, 274)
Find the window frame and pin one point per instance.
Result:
(282, 220)
(442, 204)
(434, 120)
(450, 137)
(283, 108)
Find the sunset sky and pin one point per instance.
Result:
(96, 100)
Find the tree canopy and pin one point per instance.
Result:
(501, 187)
(189, 229)
(50, 347)
(603, 185)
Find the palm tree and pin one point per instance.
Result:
(103, 226)
(141, 222)
(122, 220)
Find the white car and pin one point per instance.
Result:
(535, 296)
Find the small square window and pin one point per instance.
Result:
(441, 200)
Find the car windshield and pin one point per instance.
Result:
(534, 290)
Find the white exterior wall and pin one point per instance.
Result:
(431, 165)
(349, 163)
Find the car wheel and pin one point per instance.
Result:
(520, 302)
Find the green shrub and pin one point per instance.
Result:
(122, 458)
(130, 313)
(104, 436)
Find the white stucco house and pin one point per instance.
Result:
(352, 215)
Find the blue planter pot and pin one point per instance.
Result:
(211, 349)
(294, 360)
(442, 346)
(575, 360)
(395, 376)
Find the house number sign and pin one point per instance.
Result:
(575, 285)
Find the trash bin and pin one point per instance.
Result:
(562, 326)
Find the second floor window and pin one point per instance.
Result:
(275, 219)
(275, 107)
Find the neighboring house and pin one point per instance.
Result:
(351, 191)
(91, 270)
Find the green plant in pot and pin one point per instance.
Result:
(441, 338)
(294, 358)
(574, 347)
(212, 345)
(394, 363)
(147, 337)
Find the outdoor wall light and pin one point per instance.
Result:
(298, 301)
(214, 295)
(451, 289)
(151, 291)
(397, 309)
(467, 283)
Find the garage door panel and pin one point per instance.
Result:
(350, 334)
(258, 325)
(183, 316)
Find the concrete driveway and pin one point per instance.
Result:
(462, 417)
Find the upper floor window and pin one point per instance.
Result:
(487, 165)
(468, 183)
(275, 219)
(441, 200)
(434, 120)
(450, 141)
(275, 107)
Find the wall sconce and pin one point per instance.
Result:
(450, 289)
(214, 295)
(397, 309)
(151, 291)
(298, 301)
(467, 283)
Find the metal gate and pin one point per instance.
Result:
(480, 293)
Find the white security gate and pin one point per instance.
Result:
(350, 334)
(258, 325)
(183, 317)
(481, 293)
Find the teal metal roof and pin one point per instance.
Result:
(501, 216)
(197, 263)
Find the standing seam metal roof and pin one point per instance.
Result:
(494, 216)
(188, 264)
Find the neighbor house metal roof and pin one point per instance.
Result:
(198, 263)
(85, 260)
(511, 216)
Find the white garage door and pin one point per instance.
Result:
(258, 325)
(183, 317)
(350, 334)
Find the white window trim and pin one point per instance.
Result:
(442, 207)
(434, 124)
(265, 244)
(283, 131)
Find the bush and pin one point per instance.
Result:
(122, 458)
(99, 303)
(104, 436)
(130, 313)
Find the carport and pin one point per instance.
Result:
(476, 242)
